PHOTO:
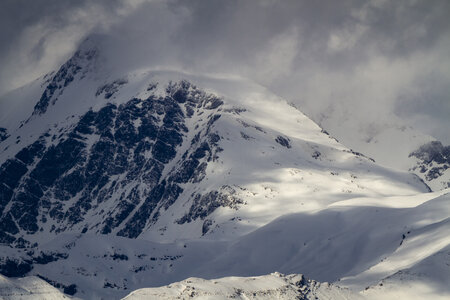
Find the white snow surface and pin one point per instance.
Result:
(314, 208)
(389, 142)
(28, 288)
(351, 245)
(313, 173)
(387, 264)
(273, 286)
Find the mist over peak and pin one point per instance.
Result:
(378, 59)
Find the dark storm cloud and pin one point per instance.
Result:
(394, 29)
(372, 57)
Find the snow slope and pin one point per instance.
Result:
(222, 157)
(29, 288)
(391, 143)
(273, 286)
(113, 181)
(396, 249)
(425, 280)
(353, 243)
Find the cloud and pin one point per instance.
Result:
(37, 36)
(369, 60)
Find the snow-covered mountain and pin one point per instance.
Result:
(273, 286)
(29, 288)
(432, 163)
(391, 143)
(123, 154)
(115, 180)
(396, 245)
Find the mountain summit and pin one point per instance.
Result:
(160, 174)
(148, 153)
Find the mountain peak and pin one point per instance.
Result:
(150, 158)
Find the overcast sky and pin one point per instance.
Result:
(375, 58)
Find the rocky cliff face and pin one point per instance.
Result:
(114, 156)
(433, 164)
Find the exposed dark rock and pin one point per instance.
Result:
(152, 86)
(204, 205)
(283, 141)
(110, 89)
(57, 160)
(117, 155)
(48, 257)
(3, 134)
(110, 285)
(359, 154)
(236, 110)
(433, 152)
(316, 154)
(433, 160)
(15, 267)
(65, 75)
(245, 136)
(70, 289)
(67, 289)
(118, 256)
(28, 154)
(246, 125)
(206, 226)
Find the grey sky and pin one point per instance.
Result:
(375, 57)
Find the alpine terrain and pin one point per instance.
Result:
(391, 143)
(165, 184)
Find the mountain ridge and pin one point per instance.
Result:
(159, 174)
